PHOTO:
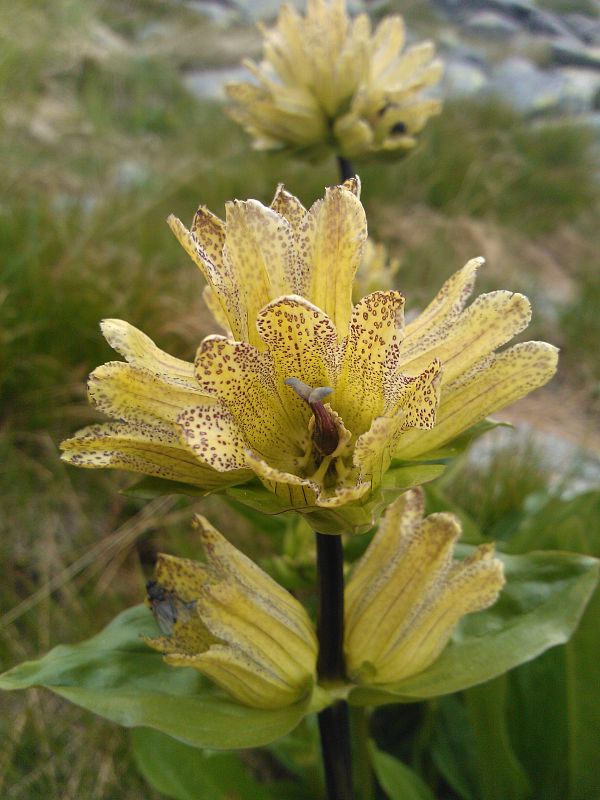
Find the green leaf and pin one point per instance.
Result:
(540, 607)
(398, 781)
(182, 772)
(557, 732)
(453, 747)
(150, 487)
(500, 774)
(117, 676)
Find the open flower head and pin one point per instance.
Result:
(232, 622)
(407, 594)
(313, 395)
(329, 82)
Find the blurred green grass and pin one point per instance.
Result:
(99, 142)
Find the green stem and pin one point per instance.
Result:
(334, 725)
(363, 774)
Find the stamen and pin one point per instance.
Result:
(325, 437)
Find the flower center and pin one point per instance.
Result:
(325, 434)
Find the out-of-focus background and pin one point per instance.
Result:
(111, 117)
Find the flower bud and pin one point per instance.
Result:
(407, 594)
(232, 622)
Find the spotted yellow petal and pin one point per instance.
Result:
(242, 378)
(218, 275)
(214, 436)
(488, 323)
(135, 394)
(369, 353)
(259, 248)
(150, 450)
(140, 350)
(432, 324)
(333, 242)
(493, 384)
(302, 341)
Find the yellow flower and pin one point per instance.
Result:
(232, 622)
(328, 82)
(312, 395)
(407, 593)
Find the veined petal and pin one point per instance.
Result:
(140, 350)
(404, 70)
(431, 325)
(242, 378)
(399, 521)
(419, 564)
(231, 621)
(387, 42)
(302, 341)
(135, 394)
(218, 276)
(488, 323)
(332, 243)
(369, 353)
(231, 562)
(259, 249)
(245, 622)
(297, 492)
(249, 682)
(210, 231)
(473, 585)
(150, 450)
(494, 383)
(213, 435)
(415, 406)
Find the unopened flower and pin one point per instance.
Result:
(232, 622)
(328, 82)
(312, 395)
(407, 594)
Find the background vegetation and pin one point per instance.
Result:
(99, 141)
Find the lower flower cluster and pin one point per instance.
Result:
(231, 621)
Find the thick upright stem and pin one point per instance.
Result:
(333, 721)
(346, 169)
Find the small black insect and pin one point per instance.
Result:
(167, 607)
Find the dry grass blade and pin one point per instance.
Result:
(102, 552)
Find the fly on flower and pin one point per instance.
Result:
(166, 607)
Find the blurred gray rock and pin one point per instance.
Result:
(573, 54)
(581, 93)
(463, 78)
(526, 87)
(209, 83)
(491, 25)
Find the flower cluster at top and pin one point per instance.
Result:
(328, 83)
(314, 396)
